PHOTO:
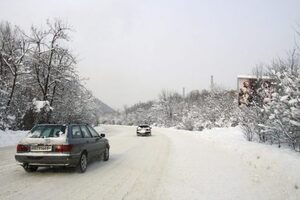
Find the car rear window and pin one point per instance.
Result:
(47, 131)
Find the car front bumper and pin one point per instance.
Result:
(143, 133)
(51, 159)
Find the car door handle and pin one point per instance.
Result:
(87, 141)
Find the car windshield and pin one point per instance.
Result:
(47, 131)
(144, 126)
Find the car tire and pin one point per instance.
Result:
(106, 154)
(30, 168)
(83, 161)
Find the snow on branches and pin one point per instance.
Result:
(38, 79)
(277, 119)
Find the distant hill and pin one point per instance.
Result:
(102, 107)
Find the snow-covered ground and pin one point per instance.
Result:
(221, 164)
(9, 137)
(171, 164)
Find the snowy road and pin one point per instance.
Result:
(169, 165)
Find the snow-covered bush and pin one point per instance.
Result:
(275, 116)
(187, 124)
(283, 124)
(249, 119)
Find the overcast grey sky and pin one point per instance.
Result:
(131, 50)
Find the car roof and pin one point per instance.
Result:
(144, 125)
(61, 124)
(50, 124)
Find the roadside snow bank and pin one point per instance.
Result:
(262, 171)
(9, 137)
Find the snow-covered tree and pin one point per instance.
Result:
(51, 62)
(14, 50)
(274, 116)
(38, 68)
(284, 108)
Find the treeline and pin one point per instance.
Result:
(38, 78)
(196, 111)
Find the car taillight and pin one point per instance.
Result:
(63, 148)
(22, 148)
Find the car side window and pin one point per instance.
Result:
(76, 132)
(93, 132)
(85, 132)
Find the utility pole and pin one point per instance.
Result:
(183, 92)
(211, 82)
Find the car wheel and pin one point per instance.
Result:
(82, 163)
(30, 168)
(106, 154)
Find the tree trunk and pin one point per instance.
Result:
(12, 90)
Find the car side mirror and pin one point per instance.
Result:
(102, 135)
